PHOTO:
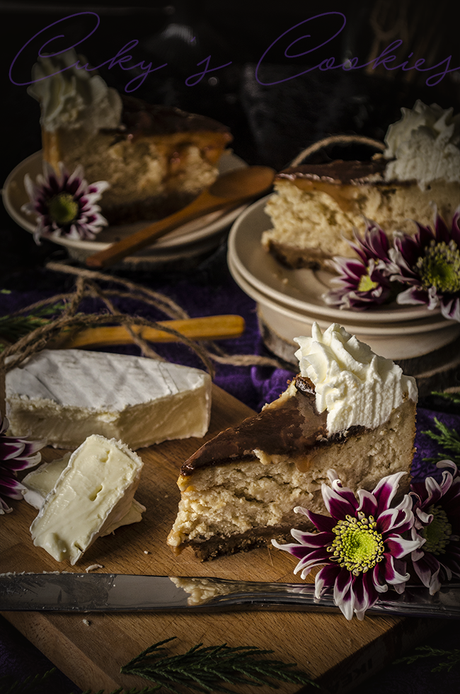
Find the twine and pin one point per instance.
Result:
(337, 139)
(86, 286)
(161, 301)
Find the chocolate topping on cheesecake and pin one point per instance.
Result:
(293, 427)
(338, 172)
(141, 118)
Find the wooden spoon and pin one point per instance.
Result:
(202, 328)
(229, 190)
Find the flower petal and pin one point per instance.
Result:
(386, 489)
(339, 501)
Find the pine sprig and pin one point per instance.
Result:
(208, 669)
(448, 440)
(29, 685)
(13, 327)
(453, 657)
(454, 398)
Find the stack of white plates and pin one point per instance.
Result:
(186, 242)
(290, 301)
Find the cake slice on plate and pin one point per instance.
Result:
(316, 207)
(156, 158)
(347, 409)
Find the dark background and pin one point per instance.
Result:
(270, 124)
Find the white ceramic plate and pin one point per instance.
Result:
(301, 289)
(179, 242)
(397, 340)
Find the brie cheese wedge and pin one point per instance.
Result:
(39, 482)
(64, 396)
(42, 480)
(94, 491)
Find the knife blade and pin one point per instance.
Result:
(83, 592)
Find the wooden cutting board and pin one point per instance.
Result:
(91, 649)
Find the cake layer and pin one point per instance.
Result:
(156, 161)
(316, 207)
(155, 158)
(95, 490)
(229, 504)
(64, 396)
(348, 410)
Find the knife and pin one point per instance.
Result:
(83, 592)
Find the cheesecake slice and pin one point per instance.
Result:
(316, 207)
(64, 396)
(347, 410)
(95, 490)
(156, 158)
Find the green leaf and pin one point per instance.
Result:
(448, 440)
(209, 669)
(35, 684)
(200, 669)
(453, 397)
(453, 657)
(12, 328)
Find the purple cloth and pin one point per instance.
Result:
(208, 290)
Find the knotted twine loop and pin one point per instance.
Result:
(70, 318)
(337, 139)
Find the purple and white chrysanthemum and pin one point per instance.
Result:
(16, 454)
(65, 204)
(360, 545)
(429, 262)
(437, 522)
(364, 281)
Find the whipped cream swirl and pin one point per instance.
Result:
(424, 146)
(73, 98)
(354, 385)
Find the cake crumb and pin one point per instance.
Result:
(146, 551)
(93, 567)
(87, 622)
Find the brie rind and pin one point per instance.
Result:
(94, 491)
(64, 396)
(42, 480)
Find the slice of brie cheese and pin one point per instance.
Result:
(64, 396)
(39, 482)
(42, 480)
(94, 491)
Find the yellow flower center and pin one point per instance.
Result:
(358, 546)
(62, 208)
(440, 267)
(366, 284)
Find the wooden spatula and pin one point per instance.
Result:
(204, 328)
(229, 190)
